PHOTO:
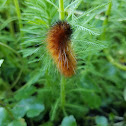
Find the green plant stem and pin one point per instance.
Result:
(54, 110)
(63, 80)
(14, 51)
(7, 109)
(61, 10)
(17, 79)
(62, 91)
(103, 37)
(107, 14)
(115, 63)
(16, 3)
(9, 16)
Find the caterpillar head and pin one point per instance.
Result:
(65, 27)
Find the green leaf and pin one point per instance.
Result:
(35, 110)
(86, 29)
(1, 61)
(29, 106)
(3, 116)
(27, 91)
(35, 75)
(92, 99)
(91, 10)
(52, 4)
(124, 94)
(47, 124)
(69, 121)
(101, 121)
(74, 5)
(6, 23)
(29, 52)
(19, 122)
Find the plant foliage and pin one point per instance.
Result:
(29, 80)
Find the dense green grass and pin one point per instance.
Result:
(34, 93)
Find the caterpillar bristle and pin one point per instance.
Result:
(58, 44)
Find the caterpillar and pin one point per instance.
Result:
(59, 46)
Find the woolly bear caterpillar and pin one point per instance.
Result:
(59, 46)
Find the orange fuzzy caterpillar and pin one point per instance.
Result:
(58, 44)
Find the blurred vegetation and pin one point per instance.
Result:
(30, 92)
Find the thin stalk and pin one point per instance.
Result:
(62, 91)
(8, 47)
(7, 109)
(17, 79)
(9, 16)
(107, 14)
(16, 3)
(54, 110)
(63, 80)
(12, 29)
(103, 37)
(112, 60)
(61, 10)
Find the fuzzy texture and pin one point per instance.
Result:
(58, 44)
